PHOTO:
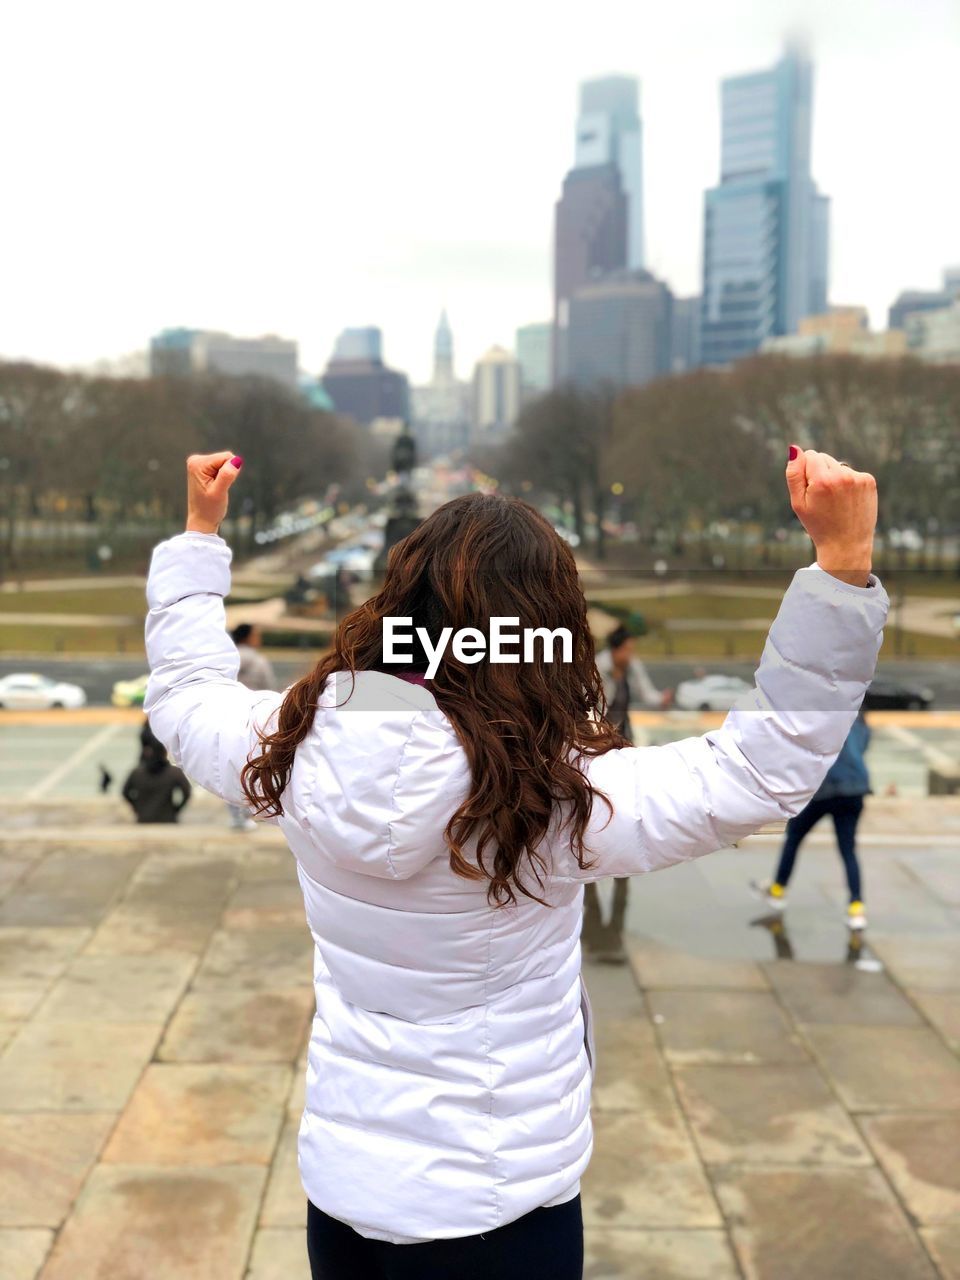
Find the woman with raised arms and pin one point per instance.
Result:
(443, 831)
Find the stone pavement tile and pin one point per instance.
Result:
(658, 1255)
(11, 869)
(258, 904)
(254, 864)
(815, 1224)
(172, 904)
(285, 1204)
(944, 1245)
(724, 1027)
(659, 967)
(921, 1156)
(185, 1114)
(136, 930)
(219, 1025)
(767, 1114)
(928, 962)
(612, 990)
(937, 871)
(8, 1029)
(645, 1173)
(839, 993)
(888, 1068)
(942, 1009)
(31, 960)
(44, 1158)
(280, 1253)
(68, 889)
(22, 1252)
(258, 958)
(630, 1075)
(120, 988)
(73, 1066)
(169, 1224)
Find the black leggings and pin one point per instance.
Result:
(845, 811)
(546, 1244)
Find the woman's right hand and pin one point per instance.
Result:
(838, 508)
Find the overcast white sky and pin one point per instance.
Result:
(299, 166)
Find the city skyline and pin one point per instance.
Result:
(130, 220)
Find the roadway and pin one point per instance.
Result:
(98, 675)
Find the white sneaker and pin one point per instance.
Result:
(774, 895)
(856, 916)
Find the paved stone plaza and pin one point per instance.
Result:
(757, 1115)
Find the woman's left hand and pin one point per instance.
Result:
(209, 477)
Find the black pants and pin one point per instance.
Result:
(546, 1244)
(845, 811)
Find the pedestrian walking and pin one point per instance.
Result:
(156, 790)
(626, 683)
(840, 797)
(256, 672)
(443, 831)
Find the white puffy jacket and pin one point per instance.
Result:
(448, 1083)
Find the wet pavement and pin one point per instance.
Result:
(771, 1102)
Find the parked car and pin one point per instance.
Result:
(896, 695)
(129, 693)
(711, 693)
(29, 692)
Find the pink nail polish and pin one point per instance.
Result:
(236, 462)
(793, 453)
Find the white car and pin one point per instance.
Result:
(712, 693)
(30, 692)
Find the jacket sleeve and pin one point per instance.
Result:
(672, 803)
(207, 721)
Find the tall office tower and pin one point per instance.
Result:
(766, 241)
(443, 352)
(620, 332)
(590, 239)
(359, 344)
(440, 411)
(685, 335)
(360, 384)
(609, 131)
(533, 351)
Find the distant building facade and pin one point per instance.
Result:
(440, 411)
(534, 346)
(359, 344)
(766, 227)
(839, 331)
(935, 335)
(685, 330)
(620, 331)
(913, 301)
(590, 239)
(359, 383)
(496, 392)
(185, 352)
(609, 131)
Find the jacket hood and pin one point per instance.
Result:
(378, 777)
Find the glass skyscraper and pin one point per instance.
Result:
(609, 132)
(765, 248)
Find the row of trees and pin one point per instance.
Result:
(709, 446)
(98, 454)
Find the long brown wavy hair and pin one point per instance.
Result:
(522, 726)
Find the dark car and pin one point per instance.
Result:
(892, 695)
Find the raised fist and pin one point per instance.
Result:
(209, 477)
(838, 508)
